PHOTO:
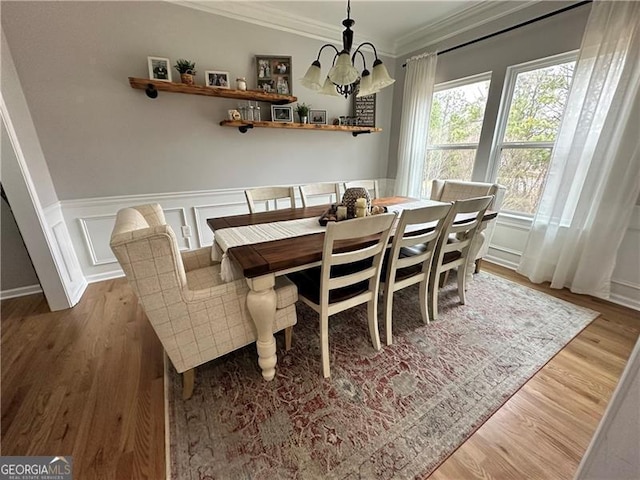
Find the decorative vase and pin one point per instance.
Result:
(304, 119)
(186, 78)
(351, 195)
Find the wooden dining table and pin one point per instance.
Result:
(262, 262)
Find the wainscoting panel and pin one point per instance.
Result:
(64, 251)
(90, 221)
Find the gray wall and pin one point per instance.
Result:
(558, 34)
(102, 138)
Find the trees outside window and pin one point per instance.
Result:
(533, 103)
(457, 113)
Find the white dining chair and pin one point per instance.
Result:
(370, 185)
(410, 258)
(328, 193)
(453, 246)
(268, 194)
(346, 278)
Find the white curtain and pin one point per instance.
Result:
(594, 174)
(414, 124)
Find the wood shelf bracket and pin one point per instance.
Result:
(245, 128)
(355, 134)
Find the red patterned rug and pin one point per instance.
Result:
(396, 413)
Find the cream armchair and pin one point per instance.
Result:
(452, 190)
(196, 316)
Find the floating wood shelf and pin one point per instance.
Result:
(152, 87)
(244, 126)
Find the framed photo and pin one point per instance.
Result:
(159, 69)
(281, 114)
(217, 79)
(273, 74)
(318, 117)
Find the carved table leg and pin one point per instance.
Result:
(261, 302)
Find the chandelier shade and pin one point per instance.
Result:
(329, 88)
(366, 84)
(381, 77)
(313, 78)
(343, 77)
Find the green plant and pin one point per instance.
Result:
(302, 110)
(185, 66)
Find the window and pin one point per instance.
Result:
(531, 110)
(457, 112)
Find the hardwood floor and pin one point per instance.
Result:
(88, 382)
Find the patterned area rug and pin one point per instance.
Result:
(396, 413)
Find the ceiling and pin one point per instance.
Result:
(395, 27)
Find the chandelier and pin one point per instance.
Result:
(343, 78)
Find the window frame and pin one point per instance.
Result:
(451, 84)
(497, 140)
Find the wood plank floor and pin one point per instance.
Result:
(88, 382)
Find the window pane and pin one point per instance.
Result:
(523, 171)
(457, 114)
(447, 164)
(538, 103)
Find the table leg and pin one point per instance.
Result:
(261, 302)
(474, 248)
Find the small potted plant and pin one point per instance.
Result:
(303, 112)
(186, 69)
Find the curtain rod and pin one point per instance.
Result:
(508, 29)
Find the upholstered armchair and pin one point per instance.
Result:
(196, 315)
(452, 190)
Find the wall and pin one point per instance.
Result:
(555, 35)
(101, 138)
(17, 275)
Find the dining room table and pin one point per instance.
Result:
(262, 246)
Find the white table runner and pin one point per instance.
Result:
(227, 238)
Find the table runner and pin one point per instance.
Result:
(227, 238)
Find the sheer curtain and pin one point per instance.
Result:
(416, 110)
(594, 174)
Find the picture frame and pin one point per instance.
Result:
(318, 117)
(159, 69)
(216, 79)
(281, 113)
(274, 74)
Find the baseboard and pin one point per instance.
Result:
(100, 277)
(500, 261)
(20, 292)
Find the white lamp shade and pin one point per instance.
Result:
(343, 72)
(365, 84)
(329, 88)
(381, 78)
(312, 79)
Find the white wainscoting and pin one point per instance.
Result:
(89, 223)
(510, 237)
(67, 264)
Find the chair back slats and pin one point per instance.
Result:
(267, 194)
(326, 190)
(357, 257)
(370, 185)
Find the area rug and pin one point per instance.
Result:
(395, 413)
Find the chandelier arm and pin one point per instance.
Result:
(375, 52)
(364, 61)
(323, 47)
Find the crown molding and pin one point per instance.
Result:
(463, 21)
(265, 16)
(430, 34)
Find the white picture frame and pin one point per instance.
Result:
(281, 114)
(159, 69)
(216, 79)
(318, 117)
